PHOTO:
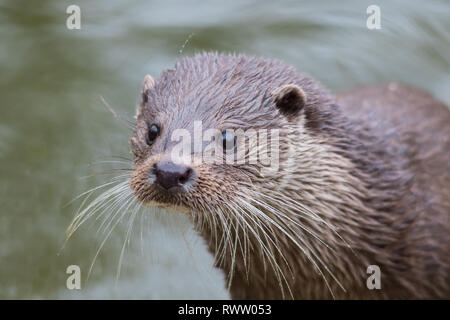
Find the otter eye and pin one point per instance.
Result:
(152, 134)
(228, 140)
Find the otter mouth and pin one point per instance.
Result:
(155, 196)
(168, 206)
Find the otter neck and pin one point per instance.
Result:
(292, 234)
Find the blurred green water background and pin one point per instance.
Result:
(54, 126)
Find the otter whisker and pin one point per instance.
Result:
(255, 232)
(267, 251)
(111, 207)
(114, 211)
(278, 213)
(134, 211)
(298, 207)
(297, 223)
(113, 161)
(107, 172)
(238, 220)
(94, 206)
(216, 212)
(128, 123)
(285, 201)
(141, 232)
(126, 204)
(292, 238)
(225, 239)
(270, 255)
(108, 183)
(105, 203)
(237, 240)
(233, 254)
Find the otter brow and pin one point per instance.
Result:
(244, 146)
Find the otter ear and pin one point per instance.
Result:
(290, 99)
(148, 84)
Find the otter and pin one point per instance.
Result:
(363, 180)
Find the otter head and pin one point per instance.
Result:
(254, 112)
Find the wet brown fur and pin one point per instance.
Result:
(364, 179)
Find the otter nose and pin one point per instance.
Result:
(170, 175)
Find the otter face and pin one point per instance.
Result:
(207, 111)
